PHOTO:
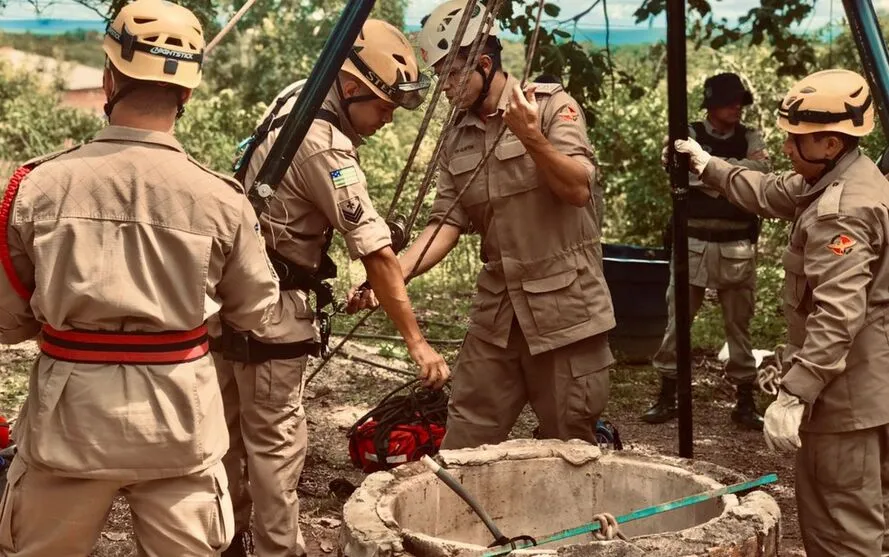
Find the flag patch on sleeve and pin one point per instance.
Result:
(343, 177)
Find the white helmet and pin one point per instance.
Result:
(440, 29)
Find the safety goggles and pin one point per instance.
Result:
(406, 94)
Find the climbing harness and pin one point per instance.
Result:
(402, 428)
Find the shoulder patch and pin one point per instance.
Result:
(544, 88)
(829, 202)
(568, 114)
(841, 244)
(231, 181)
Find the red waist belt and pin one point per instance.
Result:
(104, 347)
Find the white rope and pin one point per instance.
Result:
(608, 527)
(769, 377)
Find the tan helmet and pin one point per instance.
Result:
(828, 101)
(384, 60)
(440, 29)
(155, 40)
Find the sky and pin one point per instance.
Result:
(620, 12)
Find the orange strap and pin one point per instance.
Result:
(105, 347)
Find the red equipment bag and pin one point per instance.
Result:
(400, 429)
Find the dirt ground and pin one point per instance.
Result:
(345, 389)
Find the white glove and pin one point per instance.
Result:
(782, 420)
(698, 157)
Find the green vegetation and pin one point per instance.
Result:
(83, 47)
(627, 116)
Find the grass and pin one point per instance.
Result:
(15, 369)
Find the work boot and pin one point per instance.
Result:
(745, 413)
(664, 409)
(241, 546)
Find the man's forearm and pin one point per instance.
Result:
(568, 178)
(761, 164)
(385, 276)
(441, 244)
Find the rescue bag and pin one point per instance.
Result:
(400, 429)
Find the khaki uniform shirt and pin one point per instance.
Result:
(836, 286)
(126, 233)
(543, 257)
(324, 187)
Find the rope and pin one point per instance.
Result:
(770, 376)
(467, 71)
(441, 341)
(430, 110)
(228, 27)
(465, 74)
(481, 165)
(608, 528)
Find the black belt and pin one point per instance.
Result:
(717, 236)
(243, 348)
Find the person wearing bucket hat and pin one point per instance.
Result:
(116, 252)
(831, 406)
(721, 251)
(324, 190)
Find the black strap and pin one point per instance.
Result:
(717, 236)
(271, 123)
(240, 347)
(323, 114)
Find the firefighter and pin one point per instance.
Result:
(114, 255)
(831, 407)
(323, 190)
(540, 317)
(721, 251)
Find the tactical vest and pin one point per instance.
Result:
(703, 206)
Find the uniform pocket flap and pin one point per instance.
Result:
(736, 250)
(793, 261)
(491, 283)
(550, 283)
(464, 163)
(510, 150)
(696, 246)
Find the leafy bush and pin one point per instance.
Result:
(31, 121)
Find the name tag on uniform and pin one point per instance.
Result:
(343, 177)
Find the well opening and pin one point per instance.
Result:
(544, 495)
(538, 488)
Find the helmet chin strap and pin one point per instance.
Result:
(344, 102)
(487, 78)
(829, 164)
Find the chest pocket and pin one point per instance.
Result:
(462, 168)
(515, 171)
(797, 293)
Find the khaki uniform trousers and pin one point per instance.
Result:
(842, 492)
(46, 515)
(267, 449)
(566, 387)
(735, 281)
